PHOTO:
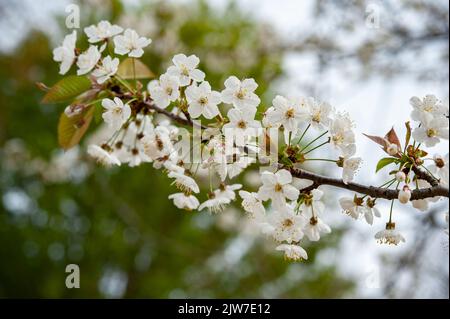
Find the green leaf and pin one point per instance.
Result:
(127, 71)
(72, 129)
(384, 162)
(67, 89)
(408, 133)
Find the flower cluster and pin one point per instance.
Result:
(230, 132)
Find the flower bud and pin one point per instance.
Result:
(392, 149)
(400, 176)
(404, 195)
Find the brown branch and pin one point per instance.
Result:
(372, 191)
(425, 176)
(375, 192)
(174, 117)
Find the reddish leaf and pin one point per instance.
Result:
(377, 139)
(392, 137)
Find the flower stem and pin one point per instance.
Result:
(303, 134)
(312, 142)
(313, 149)
(390, 212)
(320, 159)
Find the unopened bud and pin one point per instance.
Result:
(392, 149)
(404, 195)
(400, 176)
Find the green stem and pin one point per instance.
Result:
(313, 149)
(390, 212)
(312, 142)
(303, 134)
(429, 172)
(321, 159)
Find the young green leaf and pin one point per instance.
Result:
(128, 72)
(67, 89)
(408, 133)
(72, 129)
(385, 162)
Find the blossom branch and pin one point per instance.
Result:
(375, 192)
(372, 191)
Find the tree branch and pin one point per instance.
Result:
(372, 191)
(174, 117)
(375, 192)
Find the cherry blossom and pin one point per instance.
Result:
(202, 101)
(66, 53)
(240, 93)
(117, 113)
(278, 188)
(106, 70)
(130, 43)
(102, 31)
(185, 69)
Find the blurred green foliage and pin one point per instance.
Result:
(118, 225)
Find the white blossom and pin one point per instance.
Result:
(185, 69)
(404, 195)
(319, 114)
(252, 204)
(349, 168)
(293, 252)
(392, 149)
(426, 109)
(242, 125)
(352, 207)
(342, 135)
(116, 113)
(423, 204)
(440, 168)
(130, 43)
(202, 101)
(370, 210)
(286, 225)
(88, 60)
(240, 93)
(106, 70)
(286, 112)
(400, 176)
(66, 53)
(164, 90)
(278, 188)
(102, 156)
(102, 31)
(184, 201)
(389, 235)
(432, 131)
(315, 227)
(184, 183)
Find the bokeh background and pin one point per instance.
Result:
(366, 57)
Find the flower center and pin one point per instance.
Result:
(316, 117)
(313, 221)
(203, 101)
(241, 94)
(431, 132)
(338, 139)
(242, 124)
(288, 223)
(290, 113)
(278, 187)
(169, 91)
(159, 144)
(439, 162)
(184, 70)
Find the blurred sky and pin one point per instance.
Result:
(375, 105)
